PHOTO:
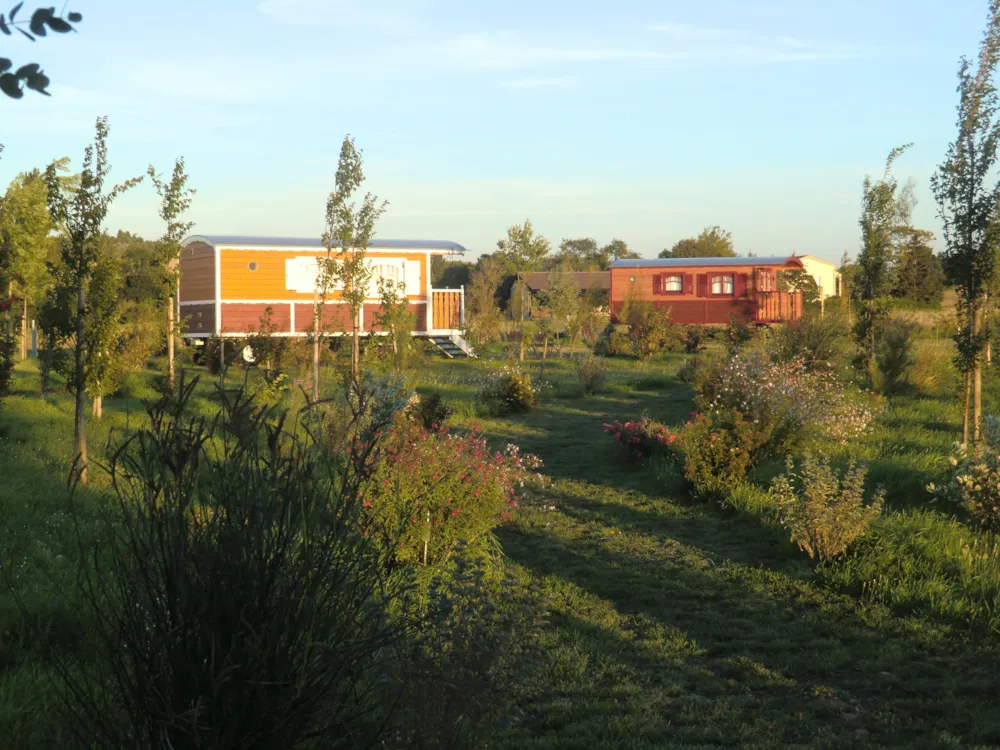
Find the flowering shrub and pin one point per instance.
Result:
(783, 401)
(975, 481)
(715, 458)
(436, 489)
(509, 390)
(592, 372)
(824, 512)
(640, 439)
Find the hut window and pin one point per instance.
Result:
(722, 285)
(252, 265)
(673, 284)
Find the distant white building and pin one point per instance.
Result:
(825, 273)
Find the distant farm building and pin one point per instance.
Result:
(709, 290)
(228, 282)
(826, 274)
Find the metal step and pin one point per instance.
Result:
(452, 346)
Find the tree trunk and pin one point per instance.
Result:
(545, 348)
(97, 407)
(170, 342)
(316, 315)
(356, 345)
(966, 403)
(222, 363)
(80, 383)
(977, 379)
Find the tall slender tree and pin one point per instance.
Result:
(175, 200)
(85, 214)
(884, 207)
(967, 192)
(522, 251)
(349, 231)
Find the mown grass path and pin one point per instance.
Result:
(680, 624)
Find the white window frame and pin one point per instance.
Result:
(673, 284)
(722, 285)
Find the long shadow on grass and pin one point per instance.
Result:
(907, 683)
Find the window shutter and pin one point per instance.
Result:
(657, 283)
(702, 284)
(739, 285)
(688, 284)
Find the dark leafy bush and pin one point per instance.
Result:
(592, 373)
(715, 458)
(232, 600)
(614, 343)
(822, 343)
(431, 411)
(739, 333)
(894, 356)
(7, 360)
(508, 390)
(694, 339)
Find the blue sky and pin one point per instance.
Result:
(636, 119)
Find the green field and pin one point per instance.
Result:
(673, 622)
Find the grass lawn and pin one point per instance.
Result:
(674, 623)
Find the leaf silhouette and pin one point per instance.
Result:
(14, 11)
(3, 25)
(39, 19)
(10, 84)
(5, 64)
(59, 26)
(75, 17)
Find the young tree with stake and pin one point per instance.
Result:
(85, 214)
(175, 199)
(967, 193)
(349, 230)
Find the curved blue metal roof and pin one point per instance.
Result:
(776, 260)
(237, 240)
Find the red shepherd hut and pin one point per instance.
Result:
(709, 290)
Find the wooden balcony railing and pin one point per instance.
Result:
(447, 309)
(778, 307)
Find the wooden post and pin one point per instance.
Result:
(170, 342)
(34, 339)
(222, 362)
(822, 302)
(316, 314)
(24, 328)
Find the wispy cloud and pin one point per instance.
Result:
(510, 50)
(393, 17)
(537, 82)
(688, 42)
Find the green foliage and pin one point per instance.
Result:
(8, 352)
(435, 490)
(474, 636)
(30, 76)
(348, 233)
(432, 412)
(919, 273)
(694, 339)
(450, 274)
(697, 370)
(175, 200)
(268, 348)
(394, 317)
(232, 600)
(485, 319)
(799, 280)
(584, 254)
(713, 242)
(894, 355)
(824, 513)
(922, 564)
(821, 342)
(508, 390)
(739, 333)
(974, 484)
(883, 208)
(715, 457)
(592, 372)
(522, 250)
(614, 343)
